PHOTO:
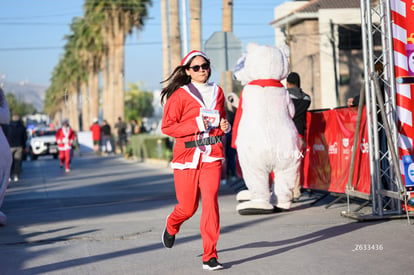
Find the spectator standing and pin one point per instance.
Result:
(133, 126)
(106, 138)
(194, 115)
(231, 153)
(17, 137)
(96, 135)
(64, 138)
(5, 155)
(121, 127)
(302, 101)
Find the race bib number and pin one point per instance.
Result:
(213, 117)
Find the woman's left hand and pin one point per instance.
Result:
(224, 124)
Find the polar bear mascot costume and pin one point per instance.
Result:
(264, 134)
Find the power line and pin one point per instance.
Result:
(38, 16)
(42, 48)
(33, 23)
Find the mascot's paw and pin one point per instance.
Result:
(255, 208)
(279, 210)
(285, 206)
(243, 195)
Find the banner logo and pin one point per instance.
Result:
(333, 149)
(411, 172)
(345, 142)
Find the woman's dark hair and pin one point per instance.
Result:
(177, 79)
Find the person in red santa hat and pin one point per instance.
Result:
(64, 138)
(194, 115)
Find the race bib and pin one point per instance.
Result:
(213, 117)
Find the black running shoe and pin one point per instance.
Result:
(167, 239)
(212, 264)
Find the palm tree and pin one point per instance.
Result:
(85, 46)
(88, 44)
(69, 79)
(92, 42)
(195, 25)
(117, 18)
(61, 96)
(96, 42)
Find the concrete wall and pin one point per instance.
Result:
(312, 55)
(281, 11)
(329, 98)
(305, 58)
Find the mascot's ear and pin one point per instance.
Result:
(239, 70)
(251, 46)
(284, 49)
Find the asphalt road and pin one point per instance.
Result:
(106, 217)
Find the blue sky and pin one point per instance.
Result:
(32, 36)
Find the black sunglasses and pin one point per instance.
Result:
(204, 66)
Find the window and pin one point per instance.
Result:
(350, 37)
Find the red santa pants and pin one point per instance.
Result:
(64, 155)
(189, 185)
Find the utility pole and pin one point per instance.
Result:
(195, 25)
(334, 62)
(185, 32)
(227, 26)
(175, 33)
(166, 67)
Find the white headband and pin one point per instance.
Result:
(190, 55)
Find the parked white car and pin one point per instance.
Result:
(42, 142)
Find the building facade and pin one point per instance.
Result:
(324, 37)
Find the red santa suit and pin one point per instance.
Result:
(64, 139)
(197, 169)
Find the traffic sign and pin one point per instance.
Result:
(223, 49)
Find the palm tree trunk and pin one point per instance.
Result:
(166, 66)
(112, 84)
(85, 107)
(175, 35)
(195, 25)
(75, 110)
(119, 75)
(93, 94)
(71, 104)
(116, 75)
(106, 85)
(57, 119)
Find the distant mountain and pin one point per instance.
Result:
(27, 92)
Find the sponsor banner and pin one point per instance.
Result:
(330, 137)
(402, 13)
(409, 180)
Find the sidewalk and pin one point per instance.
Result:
(106, 217)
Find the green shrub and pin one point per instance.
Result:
(146, 146)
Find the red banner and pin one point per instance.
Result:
(402, 13)
(330, 137)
